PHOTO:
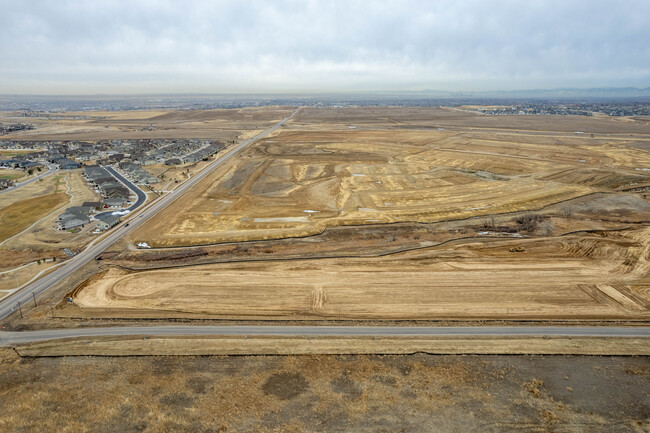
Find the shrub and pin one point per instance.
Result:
(489, 223)
(546, 227)
(528, 222)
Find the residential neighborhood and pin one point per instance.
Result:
(141, 152)
(129, 156)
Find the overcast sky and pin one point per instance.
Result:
(133, 46)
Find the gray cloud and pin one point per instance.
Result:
(67, 46)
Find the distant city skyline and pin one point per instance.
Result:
(136, 47)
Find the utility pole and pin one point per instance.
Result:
(34, 298)
(20, 309)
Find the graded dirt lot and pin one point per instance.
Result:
(300, 181)
(400, 214)
(573, 277)
(325, 393)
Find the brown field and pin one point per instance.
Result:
(12, 174)
(47, 185)
(301, 181)
(100, 125)
(272, 345)
(448, 118)
(324, 393)
(417, 214)
(16, 277)
(44, 235)
(18, 216)
(576, 277)
(8, 154)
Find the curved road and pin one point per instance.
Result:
(51, 169)
(10, 304)
(12, 338)
(142, 196)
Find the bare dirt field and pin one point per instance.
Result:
(301, 181)
(450, 118)
(325, 393)
(577, 277)
(399, 214)
(221, 125)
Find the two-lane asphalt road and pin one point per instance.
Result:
(13, 338)
(10, 303)
(51, 169)
(142, 196)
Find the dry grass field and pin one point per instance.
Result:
(44, 235)
(450, 119)
(28, 227)
(274, 345)
(11, 174)
(324, 393)
(18, 216)
(46, 185)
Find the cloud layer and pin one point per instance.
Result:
(94, 46)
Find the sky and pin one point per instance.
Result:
(213, 46)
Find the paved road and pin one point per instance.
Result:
(51, 169)
(142, 196)
(12, 338)
(9, 304)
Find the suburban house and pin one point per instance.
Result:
(138, 174)
(74, 216)
(106, 222)
(67, 164)
(96, 205)
(117, 201)
(6, 183)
